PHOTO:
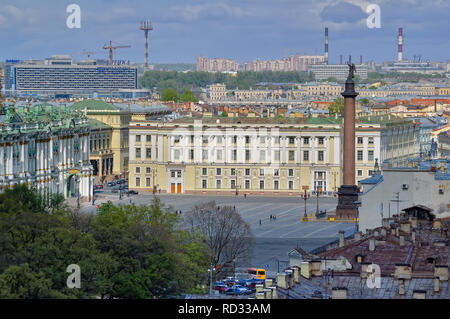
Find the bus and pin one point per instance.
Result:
(257, 273)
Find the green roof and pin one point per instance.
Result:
(95, 124)
(96, 105)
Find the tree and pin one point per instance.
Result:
(227, 236)
(337, 107)
(188, 96)
(169, 95)
(224, 114)
(364, 101)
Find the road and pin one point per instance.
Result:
(273, 238)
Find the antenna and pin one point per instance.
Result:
(146, 26)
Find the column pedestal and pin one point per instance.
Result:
(345, 209)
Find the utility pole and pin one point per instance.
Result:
(305, 197)
(317, 192)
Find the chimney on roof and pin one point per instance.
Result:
(341, 238)
(402, 240)
(419, 294)
(371, 244)
(413, 236)
(339, 293)
(357, 235)
(401, 287)
(436, 284)
(383, 232)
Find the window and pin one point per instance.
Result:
(138, 138)
(138, 170)
(275, 184)
(360, 140)
(320, 155)
(320, 140)
(176, 139)
(177, 154)
(234, 139)
(360, 155)
(261, 184)
(204, 171)
(291, 139)
(371, 140)
(247, 155)
(218, 171)
(219, 155)
(370, 156)
(276, 172)
(262, 155)
(277, 139)
(138, 182)
(178, 174)
(233, 172)
(192, 138)
(370, 172)
(277, 155)
(305, 155)
(218, 183)
(148, 152)
(204, 183)
(291, 155)
(247, 139)
(172, 174)
(219, 139)
(147, 170)
(261, 172)
(306, 140)
(138, 152)
(191, 154)
(247, 172)
(360, 172)
(205, 154)
(147, 182)
(291, 184)
(232, 184)
(291, 172)
(205, 139)
(247, 184)
(234, 155)
(148, 138)
(262, 140)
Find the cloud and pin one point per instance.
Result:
(342, 12)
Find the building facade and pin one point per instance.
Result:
(337, 71)
(47, 147)
(256, 155)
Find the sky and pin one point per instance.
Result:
(238, 29)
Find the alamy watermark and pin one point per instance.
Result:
(74, 279)
(74, 19)
(374, 19)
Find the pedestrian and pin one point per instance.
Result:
(245, 196)
(159, 191)
(260, 221)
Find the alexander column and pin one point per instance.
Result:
(348, 192)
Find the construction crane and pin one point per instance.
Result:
(88, 53)
(112, 48)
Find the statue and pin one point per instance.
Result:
(351, 71)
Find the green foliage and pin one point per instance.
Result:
(125, 251)
(337, 107)
(181, 81)
(364, 101)
(169, 94)
(188, 96)
(224, 114)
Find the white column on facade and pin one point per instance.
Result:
(2, 163)
(365, 150)
(283, 155)
(160, 148)
(327, 149)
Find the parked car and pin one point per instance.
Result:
(121, 181)
(220, 286)
(115, 190)
(132, 192)
(111, 184)
(230, 281)
(237, 290)
(98, 186)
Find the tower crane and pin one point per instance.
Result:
(111, 48)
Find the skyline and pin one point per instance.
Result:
(239, 30)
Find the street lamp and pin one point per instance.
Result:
(305, 197)
(318, 190)
(357, 204)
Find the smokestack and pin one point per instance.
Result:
(341, 58)
(326, 45)
(350, 59)
(360, 59)
(400, 45)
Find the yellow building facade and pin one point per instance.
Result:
(256, 155)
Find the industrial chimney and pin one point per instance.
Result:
(341, 59)
(400, 45)
(326, 45)
(360, 59)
